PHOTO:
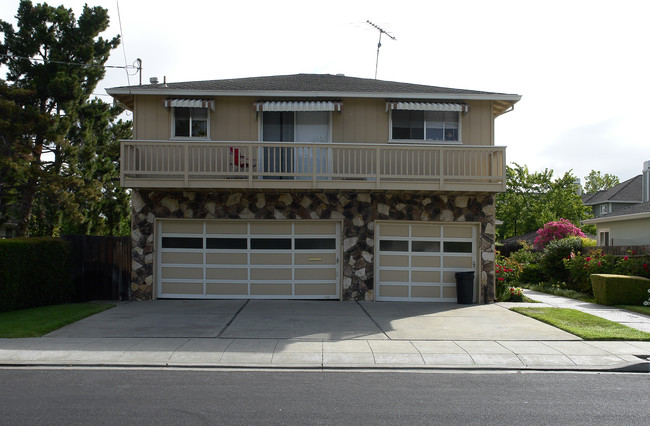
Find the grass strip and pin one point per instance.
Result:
(36, 322)
(636, 308)
(583, 325)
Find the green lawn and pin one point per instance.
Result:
(36, 322)
(585, 326)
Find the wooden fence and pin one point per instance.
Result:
(625, 250)
(101, 267)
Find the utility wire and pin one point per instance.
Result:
(119, 18)
(79, 64)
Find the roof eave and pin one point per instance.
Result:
(617, 218)
(321, 94)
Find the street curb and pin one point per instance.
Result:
(632, 367)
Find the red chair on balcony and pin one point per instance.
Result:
(239, 161)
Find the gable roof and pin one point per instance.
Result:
(312, 85)
(625, 192)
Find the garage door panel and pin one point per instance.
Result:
(426, 292)
(328, 289)
(269, 289)
(191, 258)
(275, 228)
(459, 231)
(394, 260)
(425, 230)
(226, 258)
(449, 292)
(388, 290)
(270, 258)
(182, 227)
(226, 273)
(324, 228)
(425, 276)
(315, 258)
(392, 275)
(318, 274)
(458, 262)
(183, 273)
(271, 274)
(425, 261)
(182, 288)
(227, 289)
(226, 228)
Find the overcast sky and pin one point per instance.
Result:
(581, 66)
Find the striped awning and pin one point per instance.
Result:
(427, 106)
(189, 103)
(299, 106)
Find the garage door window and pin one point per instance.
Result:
(271, 243)
(457, 247)
(393, 245)
(315, 243)
(227, 243)
(182, 243)
(426, 246)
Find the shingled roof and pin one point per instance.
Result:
(313, 85)
(625, 192)
(303, 83)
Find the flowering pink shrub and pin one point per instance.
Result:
(556, 231)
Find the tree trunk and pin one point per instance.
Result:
(29, 192)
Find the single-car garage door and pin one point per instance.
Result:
(263, 259)
(418, 262)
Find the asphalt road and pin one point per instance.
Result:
(71, 396)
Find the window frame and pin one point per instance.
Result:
(190, 137)
(424, 128)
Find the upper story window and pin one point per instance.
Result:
(190, 123)
(439, 126)
(190, 117)
(425, 121)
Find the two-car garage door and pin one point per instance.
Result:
(271, 260)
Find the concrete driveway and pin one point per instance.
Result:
(310, 320)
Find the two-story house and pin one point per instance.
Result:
(311, 186)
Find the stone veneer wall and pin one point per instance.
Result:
(358, 211)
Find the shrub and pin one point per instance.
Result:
(552, 260)
(532, 274)
(525, 256)
(559, 230)
(612, 289)
(633, 265)
(580, 268)
(34, 272)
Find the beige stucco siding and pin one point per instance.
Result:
(362, 121)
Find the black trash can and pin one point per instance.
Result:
(465, 287)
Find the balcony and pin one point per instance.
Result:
(311, 166)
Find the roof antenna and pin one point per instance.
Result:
(381, 31)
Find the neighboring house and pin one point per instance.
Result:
(311, 186)
(616, 198)
(629, 225)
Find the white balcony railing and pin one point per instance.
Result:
(274, 165)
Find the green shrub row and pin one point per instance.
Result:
(612, 289)
(34, 272)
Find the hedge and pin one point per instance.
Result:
(34, 272)
(612, 289)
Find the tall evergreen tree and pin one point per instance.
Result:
(54, 63)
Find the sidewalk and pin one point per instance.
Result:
(319, 336)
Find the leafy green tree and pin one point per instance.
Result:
(533, 199)
(595, 182)
(55, 173)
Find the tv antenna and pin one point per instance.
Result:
(381, 31)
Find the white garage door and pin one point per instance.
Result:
(264, 260)
(418, 262)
